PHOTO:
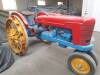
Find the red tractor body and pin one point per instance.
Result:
(80, 28)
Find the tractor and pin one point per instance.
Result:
(65, 30)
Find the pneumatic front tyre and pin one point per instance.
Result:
(81, 64)
(94, 56)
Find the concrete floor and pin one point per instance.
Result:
(42, 59)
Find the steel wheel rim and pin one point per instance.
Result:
(16, 34)
(80, 65)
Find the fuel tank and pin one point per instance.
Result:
(58, 20)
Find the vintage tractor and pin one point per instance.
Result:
(67, 31)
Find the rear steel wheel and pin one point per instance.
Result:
(16, 35)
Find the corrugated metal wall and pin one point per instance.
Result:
(24, 4)
(76, 6)
(21, 4)
(54, 2)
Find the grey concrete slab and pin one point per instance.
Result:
(47, 60)
(97, 50)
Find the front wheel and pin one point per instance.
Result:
(81, 63)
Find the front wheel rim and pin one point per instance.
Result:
(80, 65)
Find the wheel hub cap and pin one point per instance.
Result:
(80, 65)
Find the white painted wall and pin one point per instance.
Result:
(91, 9)
(87, 8)
(96, 14)
(16, 4)
(9, 4)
